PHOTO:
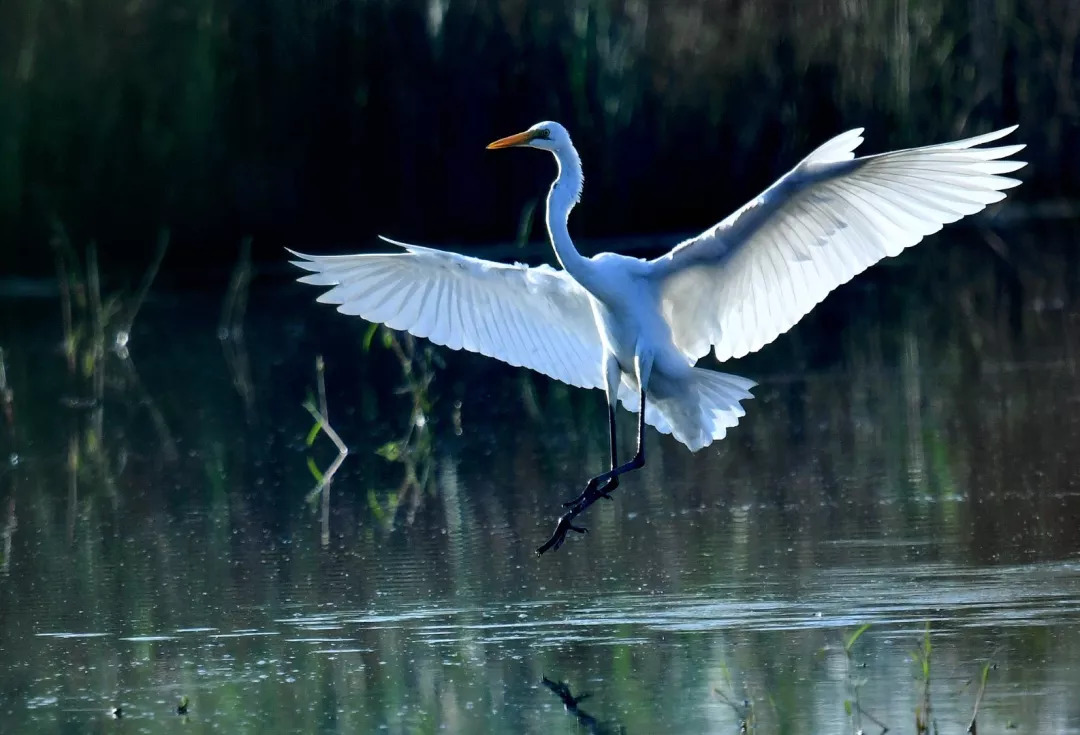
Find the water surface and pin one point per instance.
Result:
(910, 460)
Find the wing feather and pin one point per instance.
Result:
(745, 281)
(538, 318)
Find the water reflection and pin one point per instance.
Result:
(908, 458)
(573, 706)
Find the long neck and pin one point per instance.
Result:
(564, 194)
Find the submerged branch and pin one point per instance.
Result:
(231, 323)
(10, 525)
(324, 517)
(62, 254)
(923, 714)
(231, 328)
(143, 397)
(7, 395)
(343, 451)
(876, 721)
(743, 710)
(124, 328)
(323, 423)
(972, 728)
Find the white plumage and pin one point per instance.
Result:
(623, 323)
(636, 327)
(537, 318)
(741, 284)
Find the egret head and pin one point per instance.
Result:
(548, 136)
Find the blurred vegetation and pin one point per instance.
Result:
(322, 123)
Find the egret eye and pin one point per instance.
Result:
(543, 133)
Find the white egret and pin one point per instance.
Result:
(637, 327)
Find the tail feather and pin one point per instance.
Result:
(700, 412)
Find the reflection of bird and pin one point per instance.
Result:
(636, 327)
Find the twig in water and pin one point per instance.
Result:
(343, 451)
(876, 721)
(123, 330)
(97, 348)
(853, 707)
(320, 370)
(971, 728)
(7, 395)
(7, 534)
(73, 484)
(744, 710)
(142, 395)
(231, 323)
(922, 712)
(323, 423)
(414, 449)
(231, 328)
(93, 296)
(62, 252)
(320, 384)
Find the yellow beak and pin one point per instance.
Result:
(512, 140)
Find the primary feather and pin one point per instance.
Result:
(742, 283)
(537, 317)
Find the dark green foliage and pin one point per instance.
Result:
(320, 124)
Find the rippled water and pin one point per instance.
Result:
(909, 461)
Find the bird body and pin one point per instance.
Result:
(637, 327)
(632, 332)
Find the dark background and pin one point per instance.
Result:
(317, 124)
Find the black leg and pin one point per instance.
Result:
(612, 482)
(599, 486)
(611, 434)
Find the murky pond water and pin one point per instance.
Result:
(910, 461)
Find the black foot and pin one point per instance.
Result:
(579, 505)
(559, 536)
(590, 489)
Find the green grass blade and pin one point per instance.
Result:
(315, 471)
(855, 636)
(313, 433)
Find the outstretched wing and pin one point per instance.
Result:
(742, 283)
(534, 317)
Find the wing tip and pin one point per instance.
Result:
(837, 149)
(306, 262)
(304, 257)
(978, 140)
(999, 133)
